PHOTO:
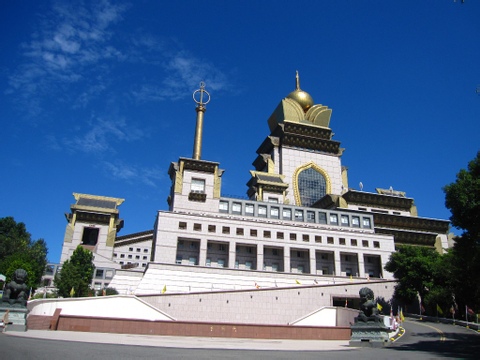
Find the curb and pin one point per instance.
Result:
(398, 335)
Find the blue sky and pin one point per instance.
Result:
(96, 97)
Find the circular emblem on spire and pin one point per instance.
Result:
(300, 96)
(201, 96)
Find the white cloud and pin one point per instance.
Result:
(70, 38)
(184, 72)
(102, 135)
(133, 174)
(75, 51)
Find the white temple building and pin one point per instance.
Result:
(299, 224)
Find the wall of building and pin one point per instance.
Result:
(261, 306)
(138, 252)
(119, 306)
(195, 233)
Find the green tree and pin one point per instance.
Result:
(414, 267)
(462, 198)
(38, 254)
(14, 237)
(76, 273)
(17, 250)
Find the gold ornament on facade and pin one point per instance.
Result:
(296, 189)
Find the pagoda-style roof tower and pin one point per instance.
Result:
(299, 150)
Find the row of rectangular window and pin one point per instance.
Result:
(145, 250)
(299, 268)
(267, 234)
(129, 263)
(130, 256)
(310, 216)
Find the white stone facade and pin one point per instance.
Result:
(223, 249)
(190, 239)
(292, 159)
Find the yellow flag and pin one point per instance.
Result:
(379, 307)
(72, 292)
(164, 290)
(298, 282)
(402, 318)
(439, 309)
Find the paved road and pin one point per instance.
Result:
(436, 340)
(421, 341)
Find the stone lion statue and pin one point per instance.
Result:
(16, 291)
(368, 307)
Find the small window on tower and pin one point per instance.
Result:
(90, 236)
(198, 185)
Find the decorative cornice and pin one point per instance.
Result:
(320, 145)
(262, 181)
(380, 200)
(268, 144)
(94, 218)
(117, 201)
(199, 165)
(409, 237)
(411, 223)
(261, 161)
(307, 130)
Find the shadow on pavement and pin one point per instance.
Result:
(466, 346)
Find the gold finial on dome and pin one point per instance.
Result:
(300, 96)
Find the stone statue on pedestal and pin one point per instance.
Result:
(16, 291)
(369, 329)
(368, 307)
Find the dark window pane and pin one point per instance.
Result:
(312, 186)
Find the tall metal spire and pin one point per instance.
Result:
(201, 102)
(297, 81)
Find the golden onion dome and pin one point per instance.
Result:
(300, 96)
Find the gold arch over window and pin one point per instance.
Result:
(296, 185)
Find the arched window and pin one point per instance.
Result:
(312, 186)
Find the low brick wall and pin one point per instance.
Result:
(202, 329)
(38, 322)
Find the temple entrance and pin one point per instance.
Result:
(349, 302)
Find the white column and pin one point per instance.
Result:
(338, 263)
(260, 257)
(232, 252)
(202, 257)
(286, 259)
(361, 265)
(313, 262)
